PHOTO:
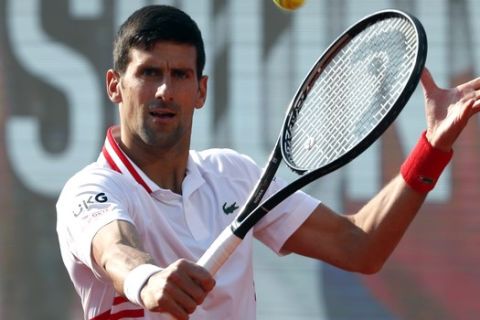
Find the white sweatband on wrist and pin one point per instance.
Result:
(136, 279)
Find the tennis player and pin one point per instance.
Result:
(132, 224)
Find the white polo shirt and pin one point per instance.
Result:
(170, 226)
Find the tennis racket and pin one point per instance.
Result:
(354, 91)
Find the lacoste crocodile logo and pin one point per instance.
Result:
(230, 209)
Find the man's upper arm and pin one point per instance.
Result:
(88, 202)
(116, 249)
(325, 235)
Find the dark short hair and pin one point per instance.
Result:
(154, 23)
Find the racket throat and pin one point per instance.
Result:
(240, 228)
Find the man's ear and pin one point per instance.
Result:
(113, 86)
(202, 92)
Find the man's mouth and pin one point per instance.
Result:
(162, 113)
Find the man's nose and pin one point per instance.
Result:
(165, 90)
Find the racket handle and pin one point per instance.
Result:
(219, 251)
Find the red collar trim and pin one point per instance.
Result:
(118, 161)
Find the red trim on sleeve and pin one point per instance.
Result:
(119, 300)
(122, 314)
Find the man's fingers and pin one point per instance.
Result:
(194, 280)
(202, 277)
(426, 79)
(181, 298)
(177, 289)
(470, 85)
(168, 298)
(187, 283)
(163, 302)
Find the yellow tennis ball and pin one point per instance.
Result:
(289, 4)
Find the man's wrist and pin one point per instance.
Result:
(136, 279)
(423, 167)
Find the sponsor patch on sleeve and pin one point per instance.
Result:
(90, 206)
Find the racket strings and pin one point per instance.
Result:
(353, 93)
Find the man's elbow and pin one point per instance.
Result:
(371, 266)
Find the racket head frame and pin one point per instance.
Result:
(318, 67)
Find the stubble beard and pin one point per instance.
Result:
(162, 140)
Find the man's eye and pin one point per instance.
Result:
(150, 72)
(180, 74)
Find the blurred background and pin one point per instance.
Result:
(54, 113)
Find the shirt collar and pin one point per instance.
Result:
(117, 160)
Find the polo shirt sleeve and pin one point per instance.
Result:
(89, 201)
(278, 225)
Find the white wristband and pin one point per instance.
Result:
(136, 279)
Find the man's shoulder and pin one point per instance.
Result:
(219, 156)
(94, 175)
(95, 169)
(217, 153)
(223, 160)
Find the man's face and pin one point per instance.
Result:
(157, 96)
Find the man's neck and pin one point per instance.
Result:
(167, 168)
